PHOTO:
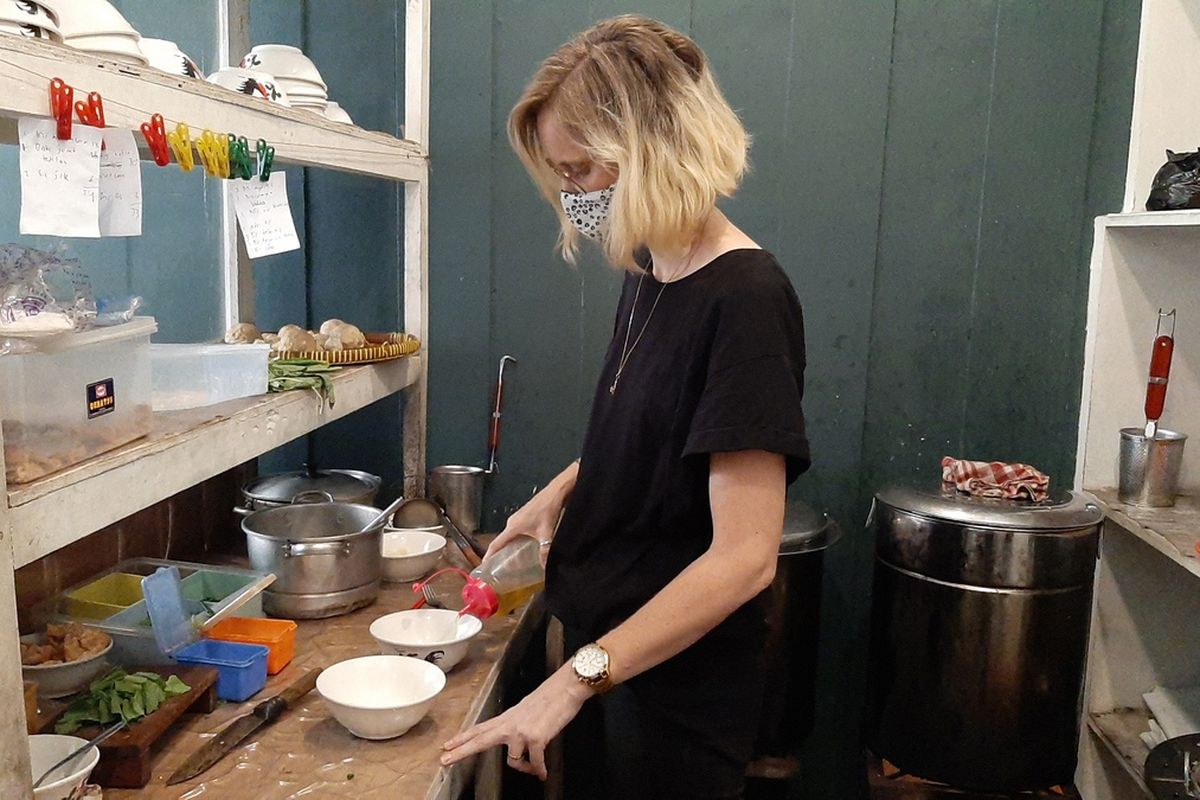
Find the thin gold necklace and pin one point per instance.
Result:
(626, 348)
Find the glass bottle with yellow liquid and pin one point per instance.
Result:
(502, 582)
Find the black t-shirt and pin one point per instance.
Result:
(720, 368)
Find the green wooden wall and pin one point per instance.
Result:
(926, 171)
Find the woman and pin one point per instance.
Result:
(675, 510)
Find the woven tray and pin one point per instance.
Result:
(380, 347)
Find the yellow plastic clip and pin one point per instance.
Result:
(180, 140)
(206, 146)
(222, 153)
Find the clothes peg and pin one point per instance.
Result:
(222, 153)
(155, 132)
(206, 147)
(266, 159)
(91, 113)
(180, 140)
(62, 106)
(245, 168)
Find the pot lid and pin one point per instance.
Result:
(806, 530)
(1062, 510)
(342, 484)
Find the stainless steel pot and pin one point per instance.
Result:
(315, 548)
(979, 636)
(284, 488)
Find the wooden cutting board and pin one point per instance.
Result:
(127, 757)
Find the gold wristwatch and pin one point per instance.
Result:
(590, 665)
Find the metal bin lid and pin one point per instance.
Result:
(1063, 510)
(806, 530)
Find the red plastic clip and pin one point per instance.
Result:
(62, 107)
(92, 112)
(155, 132)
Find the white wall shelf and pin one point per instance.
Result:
(1119, 731)
(186, 448)
(1147, 598)
(1171, 531)
(132, 94)
(190, 447)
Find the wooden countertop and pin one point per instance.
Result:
(308, 754)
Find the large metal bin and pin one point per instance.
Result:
(979, 636)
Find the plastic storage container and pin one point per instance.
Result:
(104, 597)
(130, 628)
(194, 375)
(241, 668)
(277, 635)
(78, 395)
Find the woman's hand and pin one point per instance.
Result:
(526, 728)
(539, 517)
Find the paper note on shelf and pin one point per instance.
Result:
(60, 179)
(265, 216)
(120, 185)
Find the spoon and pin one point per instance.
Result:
(104, 734)
(382, 515)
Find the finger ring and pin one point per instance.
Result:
(516, 757)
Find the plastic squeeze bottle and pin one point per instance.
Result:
(502, 582)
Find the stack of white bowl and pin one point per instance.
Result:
(29, 19)
(296, 76)
(94, 26)
(166, 56)
(251, 82)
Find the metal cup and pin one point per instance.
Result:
(1149, 468)
(459, 490)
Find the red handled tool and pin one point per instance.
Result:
(1160, 370)
(497, 410)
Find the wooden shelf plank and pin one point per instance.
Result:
(1153, 219)
(1119, 731)
(132, 94)
(186, 448)
(1171, 531)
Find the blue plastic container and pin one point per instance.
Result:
(241, 668)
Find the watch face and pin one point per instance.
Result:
(590, 662)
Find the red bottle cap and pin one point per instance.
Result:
(481, 599)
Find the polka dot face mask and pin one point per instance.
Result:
(588, 211)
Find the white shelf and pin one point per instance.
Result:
(1119, 732)
(1152, 219)
(1171, 531)
(132, 94)
(186, 448)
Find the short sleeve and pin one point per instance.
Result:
(753, 392)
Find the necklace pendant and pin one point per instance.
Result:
(612, 390)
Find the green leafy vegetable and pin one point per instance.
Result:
(285, 374)
(119, 694)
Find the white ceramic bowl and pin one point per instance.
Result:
(166, 56)
(28, 31)
(409, 554)
(45, 750)
(283, 61)
(86, 17)
(24, 12)
(380, 697)
(60, 680)
(437, 635)
(253, 83)
(336, 113)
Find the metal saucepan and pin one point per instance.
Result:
(284, 488)
(315, 548)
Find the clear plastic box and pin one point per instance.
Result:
(194, 375)
(79, 395)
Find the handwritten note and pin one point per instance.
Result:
(120, 185)
(265, 216)
(60, 180)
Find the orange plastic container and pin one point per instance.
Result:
(277, 635)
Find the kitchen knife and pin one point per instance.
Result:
(264, 713)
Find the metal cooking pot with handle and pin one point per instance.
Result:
(285, 488)
(315, 548)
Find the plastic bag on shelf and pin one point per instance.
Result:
(42, 293)
(1177, 183)
(116, 310)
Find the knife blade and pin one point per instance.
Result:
(236, 732)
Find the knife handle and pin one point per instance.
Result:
(269, 710)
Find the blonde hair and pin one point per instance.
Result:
(639, 98)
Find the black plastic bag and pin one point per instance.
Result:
(1177, 183)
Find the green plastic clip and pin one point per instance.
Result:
(266, 160)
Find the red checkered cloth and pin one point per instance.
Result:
(995, 479)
